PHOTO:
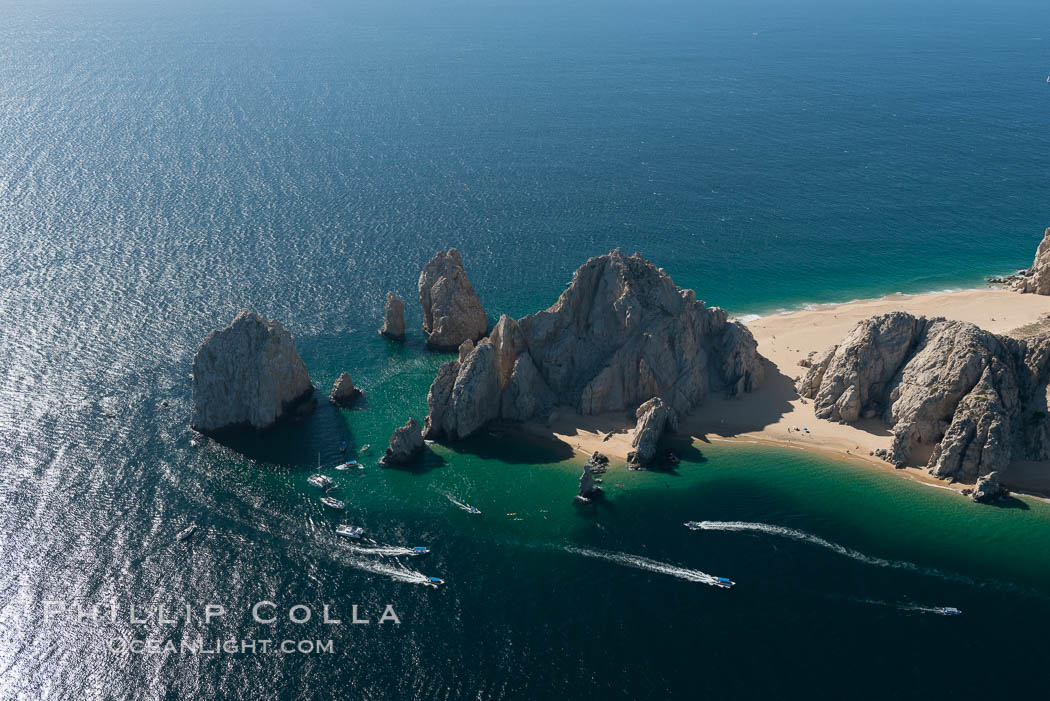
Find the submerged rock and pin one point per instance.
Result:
(452, 312)
(621, 334)
(980, 399)
(394, 318)
(343, 391)
(1035, 280)
(248, 374)
(405, 445)
(654, 418)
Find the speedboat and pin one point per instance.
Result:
(435, 581)
(322, 481)
(333, 503)
(692, 525)
(350, 465)
(186, 532)
(420, 550)
(345, 529)
(473, 510)
(724, 582)
(365, 447)
(948, 611)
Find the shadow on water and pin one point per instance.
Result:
(1010, 502)
(514, 449)
(427, 461)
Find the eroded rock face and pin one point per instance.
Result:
(987, 489)
(621, 334)
(452, 312)
(247, 374)
(654, 419)
(588, 489)
(343, 391)
(1036, 280)
(405, 445)
(979, 398)
(394, 318)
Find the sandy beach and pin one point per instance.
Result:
(776, 414)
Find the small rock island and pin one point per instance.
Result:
(248, 374)
(452, 312)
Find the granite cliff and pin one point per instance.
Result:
(452, 312)
(394, 317)
(1035, 280)
(619, 335)
(978, 398)
(247, 374)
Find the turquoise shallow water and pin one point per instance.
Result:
(163, 165)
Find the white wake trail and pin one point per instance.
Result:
(644, 563)
(384, 550)
(457, 502)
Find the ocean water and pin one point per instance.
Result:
(163, 165)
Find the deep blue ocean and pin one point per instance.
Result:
(165, 164)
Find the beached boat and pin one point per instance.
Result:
(349, 531)
(321, 481)
(333, 503)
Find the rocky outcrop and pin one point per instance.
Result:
(248, 374)
(653, 419)
(1035, 280)
(987, 489)
(405, 445)
(452, 312)
(588, 488)
(978, 398)
(621, 334)
(394, 318)
(343, 391)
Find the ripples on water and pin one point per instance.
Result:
(162, 167)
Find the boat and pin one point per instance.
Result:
(342, 447)
(350, 465)
(322, 481)
(186, 532)
(333, 503)
(948, 611)
(692, 525)
(724, 582)
(420, 550)
(435, 580)
(473, 510)
(365, 447)
(345, 529)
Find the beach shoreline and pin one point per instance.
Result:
(776, 415)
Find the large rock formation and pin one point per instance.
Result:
(1037, 278)
(588, 487)
(452, 312)
(621, 334)
(405, 445)
(394, 318)
(978, 398)
(247, 374)
(653, 419)
(343, 391)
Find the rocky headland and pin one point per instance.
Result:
(621, 334)
(978, 399)
(248, 374)
(452, 312)
(1033, 280)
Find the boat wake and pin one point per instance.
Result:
(384, 550)
(793, 534)
(913, 608)
(644, 563)
(396, 571)
(457, 502)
